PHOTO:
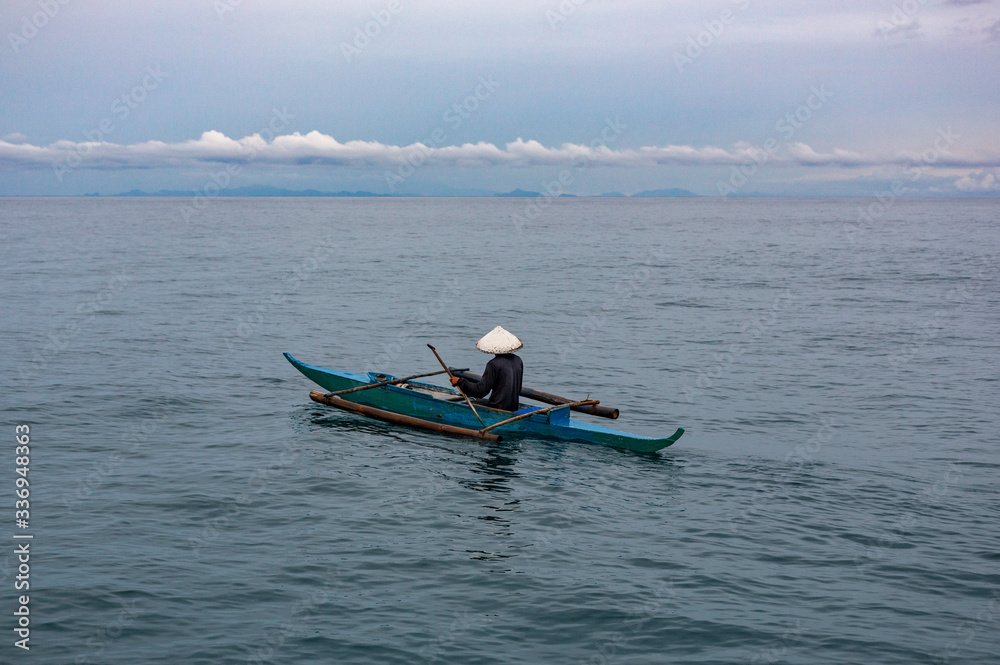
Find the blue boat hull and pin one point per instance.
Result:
(429, 402)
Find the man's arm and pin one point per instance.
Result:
(483, 387)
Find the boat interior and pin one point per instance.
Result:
(440, 392)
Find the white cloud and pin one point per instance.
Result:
(983, 181)
(320, 150)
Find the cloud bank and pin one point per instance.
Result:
(320, 150)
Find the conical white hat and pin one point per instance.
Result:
(498, 340)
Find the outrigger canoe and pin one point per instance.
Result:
(437, 408)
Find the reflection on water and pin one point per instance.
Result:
(349, 423)
(494, 473)
(496, 469)
(492, 469)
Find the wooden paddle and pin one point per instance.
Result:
(467, 400)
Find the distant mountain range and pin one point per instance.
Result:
(252, 190)
(855, 190)
(519, 193)
(665, 192)
(266, 190)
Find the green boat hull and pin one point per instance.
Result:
(431, 403)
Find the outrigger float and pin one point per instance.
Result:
(405, 401)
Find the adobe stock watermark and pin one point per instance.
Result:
(662, 602)
(59, 338)
(121, 108)
(610, 133)
(249, 325)
(901, 18)
(941, 320)
(266, 649)
(223, 7)
(562, 13)
(438, 648)
(905, 523)
(786, 127)
(213, 529)
(454, 116)
(103, 469)
(416, 326)
(363, 35)
(99, 642)
(30, 27)
(779, 649)
(728, 359)
(597, 319)
(415, 498)
(803, 453)
(971, 628)
(714, 29)
(223, 178)
(914, 169)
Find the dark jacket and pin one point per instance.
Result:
(503, 377)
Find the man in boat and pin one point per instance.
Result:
(503, 373)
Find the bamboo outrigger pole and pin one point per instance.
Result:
(548, 398)
(398, 418)
(536, 413)
(450, 375)
(388, 383)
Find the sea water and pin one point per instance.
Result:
(834, 497)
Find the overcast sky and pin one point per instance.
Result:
(727, 96)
